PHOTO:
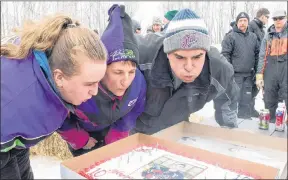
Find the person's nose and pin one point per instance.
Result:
(125, 80)
(189, 65)
(94, 91)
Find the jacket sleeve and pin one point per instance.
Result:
(225, 105)
(71, 132)
(127, 122)
(227, 47)
(262, 56)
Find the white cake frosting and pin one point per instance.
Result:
(154, 163)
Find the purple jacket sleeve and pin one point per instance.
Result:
(128, 122)
(72, 133)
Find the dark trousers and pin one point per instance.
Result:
(98, 135)
(245, 85)
(255, 92)
(275, 85)
(15, 164)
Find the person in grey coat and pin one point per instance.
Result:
(257, 26)
(241, 49)
(184, 72)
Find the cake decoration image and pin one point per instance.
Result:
(157, 162)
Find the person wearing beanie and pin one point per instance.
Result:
(272, 66)
(241, 49)
(257, 26)
(184, 72)
(136, 26)
(111, 114)
(168, 17)
(156, 26)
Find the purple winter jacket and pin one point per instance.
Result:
(30, 109)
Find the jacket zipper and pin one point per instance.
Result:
(111, 103)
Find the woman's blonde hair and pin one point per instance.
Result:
(61, 38)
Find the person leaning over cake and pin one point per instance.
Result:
(50, 67)
(184, 72)
(111, 114)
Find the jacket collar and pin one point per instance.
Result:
(42, 60)
(259, 23)
(236, 29)
(108, 93)
(272, 29)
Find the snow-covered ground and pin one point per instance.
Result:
(208, 111)
(45, 167)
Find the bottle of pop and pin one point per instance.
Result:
(280, 117)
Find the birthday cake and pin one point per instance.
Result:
(149, 162)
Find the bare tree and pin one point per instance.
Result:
(131, 8)
(250, 8)
(233, 8)
(94, 14)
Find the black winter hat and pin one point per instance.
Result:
(242, 15)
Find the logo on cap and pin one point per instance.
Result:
(189, 40)
(122, 54)
(242, 15)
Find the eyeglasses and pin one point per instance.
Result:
(278, 18)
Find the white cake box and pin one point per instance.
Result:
(70, 168)
(238, 143)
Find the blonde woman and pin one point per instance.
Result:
(51, 67)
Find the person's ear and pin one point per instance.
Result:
(58, 77)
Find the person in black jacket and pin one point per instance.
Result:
(257, 26)
(241, 49)
(184, 72)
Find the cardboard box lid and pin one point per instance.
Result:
(236, 135)
(271, 147)
(122, 146)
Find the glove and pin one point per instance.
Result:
(91, 143)
(196, 118)
(227, 118)
(259, 81)
(114, 135)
